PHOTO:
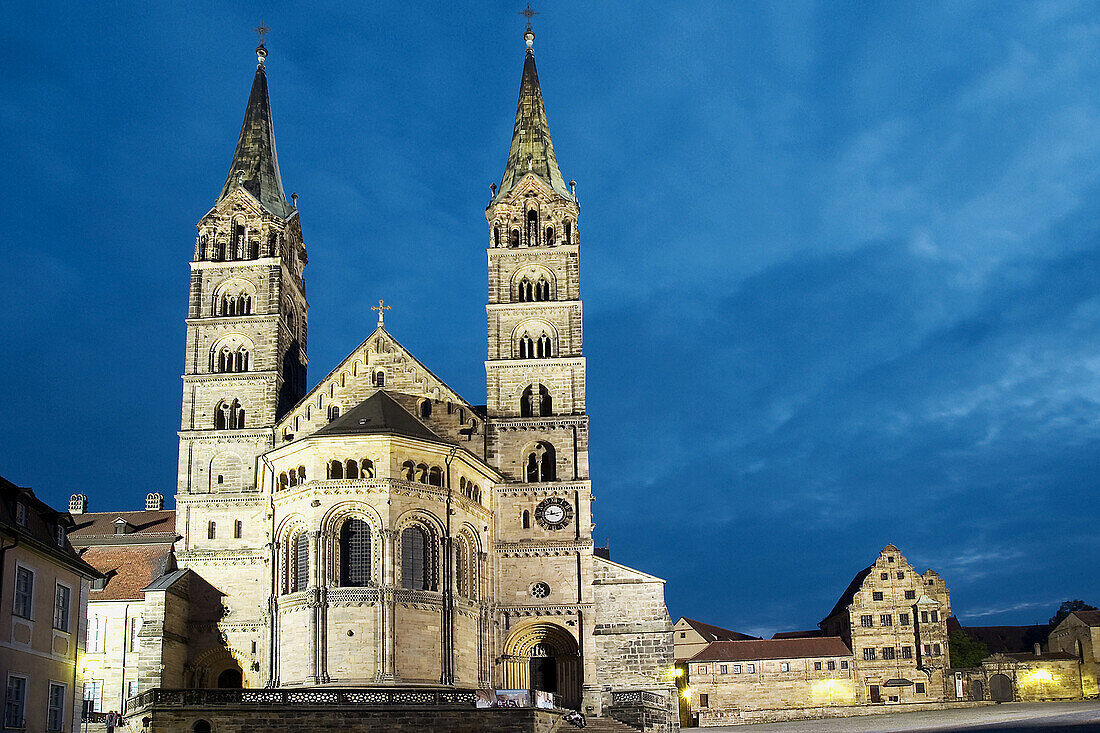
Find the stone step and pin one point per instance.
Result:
(608, 725)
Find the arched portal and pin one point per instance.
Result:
(1000, 688)
(976, 690)
(230, 679)
(544, 656)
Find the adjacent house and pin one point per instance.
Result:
(690, 637)
(1079, 635)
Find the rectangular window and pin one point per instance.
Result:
(910, 595)
(924, 617)
(927, 650)
(831, 664)
(62, 594)
(21, 514)
(903, 619)
(901, 575)
(704, 700)
(60, 536)
(131, 688)
(15, 702)
(885, 576)
(920, 688)
(702, 669)
(887, 652)
(95, 635)
(737, 669)
(817, 666)
(784, 667)
(135, 628)
(935, 615)
(876, 595)
(867, 621)
(724, 669)
(886, 619)
(93, 695)
(55, 707)
(936, 650)
(750, 668)
(683, 634)
(24, 592)
(907, 652)
(843, 665)
(869, 654)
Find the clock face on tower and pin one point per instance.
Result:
(554, 513)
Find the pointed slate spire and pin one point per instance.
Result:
(531, 151)
(255, 164)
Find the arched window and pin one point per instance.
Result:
(435, 476)
(380, 379)
(422, 473)
(535, 402)
(408, 471)
(496, 236)
(544, 351)
(462, 568)
(366, 468)
(228, 415)
(201, 726)
(525, 519)
(355, 548)
(540, 463)
(203, 242)
(253, 249)
(524, 294)
(416, 570)
(542, 289)
(526, 347)
(567, 230)
(238, 528)
(230, 359)
(549, 236)
(513, 238)
(532, 228)
(219, 250)
(236, 243)
(351, 468)
(283, 480)
(335, 469)
(211, 530)
(425, 408)
(299, 576)
(333, 412)
(301, 474)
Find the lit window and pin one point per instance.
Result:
(737, 669)
(750, 668)
(784, 667)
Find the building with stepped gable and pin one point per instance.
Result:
(377, 537)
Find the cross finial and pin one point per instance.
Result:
(262, 30)
(381, 308)
(528, 13)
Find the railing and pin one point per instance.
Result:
(635, 696)
(327, 697)
(92, 717)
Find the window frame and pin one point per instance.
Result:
(66, 622)
(133, 629)
(22, 604)
(94, 642)
(52, 709)
(750, 668)
(9, 722)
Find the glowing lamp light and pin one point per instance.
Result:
(1041, 675)
(686, 693)
(679, 672)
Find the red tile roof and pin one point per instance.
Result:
(808, 634)
(101, 524)
(737, 651)
(128, 569)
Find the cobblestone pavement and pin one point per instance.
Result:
(1070, 717)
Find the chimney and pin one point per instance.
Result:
(1038, 649)
(78, 504)
(154, 502)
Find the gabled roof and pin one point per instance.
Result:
(849, 593)
(128, 569)
(710, 632)
(738, 651)
(255, 165)
(157, 525)
(808, 634)
(1089, 618)
(40, 528)
(531, 150)
(379, 413)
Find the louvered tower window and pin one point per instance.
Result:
(355, 553)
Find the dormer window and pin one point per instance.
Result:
(21, 514)
(59, 536)
(122, 526)
(99, 583)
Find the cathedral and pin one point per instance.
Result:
(379, 530)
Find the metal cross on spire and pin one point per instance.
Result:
(381, 308)
(528, 13)
(261, 30)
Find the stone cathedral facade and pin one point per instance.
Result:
(378, 529)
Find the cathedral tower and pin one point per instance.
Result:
(245, 360)
(537, 434)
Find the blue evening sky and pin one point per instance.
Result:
(840, 261)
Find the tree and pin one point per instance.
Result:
(965, 652)
(1066, 609)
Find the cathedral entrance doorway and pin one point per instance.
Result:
(543, 656)
(230, 679)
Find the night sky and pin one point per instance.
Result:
(839, 261)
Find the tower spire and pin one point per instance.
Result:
(531, 150)
(255, 164)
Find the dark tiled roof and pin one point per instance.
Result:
(160, 522)
(531, 150)
(1008, 639)
(379, 413)
(255, 165)
(129, 569)
(1090, 618)
(850, 592)
(808, 634)
(1044, 657)
(736, 651)
(711, 632)
(41, 527)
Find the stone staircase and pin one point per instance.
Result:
(605, 725)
